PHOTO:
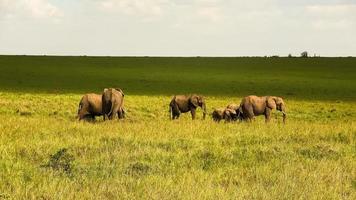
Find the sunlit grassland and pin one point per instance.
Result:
(147, 156)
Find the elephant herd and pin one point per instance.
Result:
(110, 104)
(250, 107)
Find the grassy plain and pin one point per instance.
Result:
(46, 154)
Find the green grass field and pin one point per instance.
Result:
(45, 153)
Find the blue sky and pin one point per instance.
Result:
(178, 27)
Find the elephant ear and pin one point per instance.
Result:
(194, 100)
(232, 111)
(279, 100)
(105, 90)
(229, 113)
(271, 102)
(118, 89)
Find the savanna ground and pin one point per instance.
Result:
(45, 153)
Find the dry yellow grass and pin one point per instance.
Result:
(147, 156)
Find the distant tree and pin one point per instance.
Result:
(290, 55)
(304, 54)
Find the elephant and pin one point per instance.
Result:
(90, 106)
(113, 103)
(252, 106)
(224, 113)
(237, 109)
(183, 103)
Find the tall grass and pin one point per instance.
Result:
(149, 156)
(45, 153)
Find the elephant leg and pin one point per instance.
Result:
(176, 115)
(175, 111)
(250, 119)
(248, 113)
(121, 114)
(110, 117)
(268, 115)
(216, 119)
(192, 111)
(115, 111)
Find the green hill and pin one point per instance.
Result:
(296, 78)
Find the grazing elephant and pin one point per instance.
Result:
(252, 106)
(224, 113)
(182, 104)
(89, 107)
(113, 103)
(237, 109)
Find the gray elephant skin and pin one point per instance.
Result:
(113, 103)
(186, 103)
(252, 106)
(226, 114)
(237, 109)
(90, 106)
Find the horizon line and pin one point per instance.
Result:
(174, 56)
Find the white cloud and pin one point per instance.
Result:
(338, 9)
(26, 8)
(178, 27)
(337, 16)
(211, 13)
(210, 10)
(135, 7)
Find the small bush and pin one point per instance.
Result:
(61, 161)
(138, 169)
(319, 152)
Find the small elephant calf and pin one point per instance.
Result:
(237, 109)
(224, 113)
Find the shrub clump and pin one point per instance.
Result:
(138, 169)
(61, 161)
(319, 152)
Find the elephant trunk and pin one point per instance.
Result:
(79, 115)
(111, 109)
(284, 114)
(204, 110)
